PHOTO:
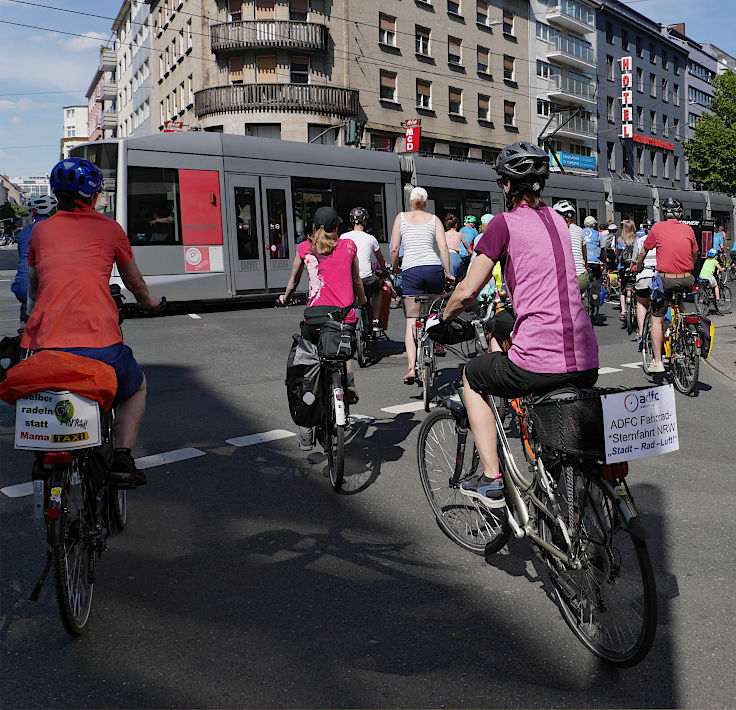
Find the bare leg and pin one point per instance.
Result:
(623, 303)
(642, 304)
(410, 340)
(129, 417)
(483, 426)
(657, 339)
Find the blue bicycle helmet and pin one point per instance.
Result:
(711, 253)
(76, 175)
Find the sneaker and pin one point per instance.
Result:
(124, 473)
(640, 343)
(483, 488)
(656, 367)
(305, 440)
(352, 394)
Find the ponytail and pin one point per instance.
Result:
(323, 241)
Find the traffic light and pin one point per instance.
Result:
(353, 132)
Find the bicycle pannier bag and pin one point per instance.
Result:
(336, 341)
(303, 382)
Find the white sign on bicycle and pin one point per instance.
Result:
(640, 423)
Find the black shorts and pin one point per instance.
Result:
(496, 374)
(371, 285)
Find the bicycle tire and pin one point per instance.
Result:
(726, 305)
(685, 362)
(647, 349)
(72, 551)
(335, 446)
(470, 524)
(702, 301)
(610, 603)
(361, 349)
(426, 385)
(630, 311)
(119, 507)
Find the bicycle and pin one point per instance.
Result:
(681, 345)
(365, 335)
(705, 297)
(593, 296)
(577, 512)
(426, 364)
(630, 306)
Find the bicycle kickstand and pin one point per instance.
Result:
(37, 589)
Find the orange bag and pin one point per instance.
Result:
(55, 370)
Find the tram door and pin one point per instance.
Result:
(261, 234)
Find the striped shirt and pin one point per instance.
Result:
(418, 244)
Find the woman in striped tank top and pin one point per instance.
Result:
(422, 271)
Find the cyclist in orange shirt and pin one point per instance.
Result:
(70, 260)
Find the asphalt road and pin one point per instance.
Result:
(244, 581)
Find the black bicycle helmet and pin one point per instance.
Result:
(648, 224)
(671, 208)
(359, 215)
(523, 161)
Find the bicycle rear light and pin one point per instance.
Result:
(691, 319)
(698, 342)
(57, 457)
(419, 324)
(614, 471)
(53, 513)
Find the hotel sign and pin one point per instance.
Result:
(627, 98)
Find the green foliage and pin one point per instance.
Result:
(12, 212)
(711, 153)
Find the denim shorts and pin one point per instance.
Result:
(120, 358)
(419, 280)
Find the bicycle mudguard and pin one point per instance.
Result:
(634, 523)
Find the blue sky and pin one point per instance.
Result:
(44, 69)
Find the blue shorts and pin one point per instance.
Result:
(120, 358)
(423, 279)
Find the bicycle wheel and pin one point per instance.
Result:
(647, 350)
(630, 311)
(119, 507)
(465, 521)
(702, 301)
(334, 435)
(685, 362)
(610, 603)
(72, 551)
(725, 305)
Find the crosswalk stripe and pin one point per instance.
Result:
(252, 439)
(168, 457)
(401, 408)
(632, 365)
(608, 370)
(195, 316)
(18, 490)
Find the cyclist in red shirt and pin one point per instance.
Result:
(70, 260)
(677, 250)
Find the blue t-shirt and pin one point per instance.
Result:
(593, 244)
(718, 239)
(470, 234)
(20, 285)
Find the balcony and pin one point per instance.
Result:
(108, 60)
(574, 54)
(566, 88)
(577, 127)
(572, 16)
(260, 34)
(109, 91)
(300, 98)
(109, 121)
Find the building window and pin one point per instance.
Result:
(609, 109)
(676, 128)
(665, 126)
(386, 30)
(189, 34)
(508, 22)
(639, 48)
(654, 161)
(676, 66)
(676, 94)
(508, 67)
(652, 54)
(665, 59)
(640, 81)
(263, 130)
(698, 97)
(666, 166)
(424, 94)
(236, 10)
(611, 155)
(298, 10)
(653, 121)
(677, 168)
(483, 60)
(509, 113)
(454, 51)
(653, 86)
(422, 40)
(639, 118)
(665, 91)
(640, 161)
(692, 119)
(543, 108)
(481, 15)
(236, 70)
(458, 151)
(382, 142)
(321, 134)
(456, 101)
(609, 32)
(624, 39)
(388, 86)
(426, 147)
(70, 131)
(453, 7)
(609, 67)
(544, 32)
(299, 70)
(700, 72)
(489, 155)
(484, 108)
(190, 90)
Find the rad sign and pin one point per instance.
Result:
(639, 424)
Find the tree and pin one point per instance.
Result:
(711, 153)
(10, 214)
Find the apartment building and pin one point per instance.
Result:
(724, 60)
(74, 128)
(102, 95)
(648, 148)
(562, 51)
(35, 186)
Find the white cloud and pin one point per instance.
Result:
(90, 40)
(6, 105)
(16, 120)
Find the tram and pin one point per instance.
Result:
(214, 216)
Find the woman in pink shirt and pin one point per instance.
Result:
(454, 239)
(334, 282)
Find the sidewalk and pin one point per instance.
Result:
(723, 358)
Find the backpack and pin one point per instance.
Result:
(303, 382)
(627, 255)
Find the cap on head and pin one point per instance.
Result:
(326, 217)
(590, 221)
(486, 218)
(612, 227)
(418, 195)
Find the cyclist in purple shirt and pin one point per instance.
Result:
(552, 342)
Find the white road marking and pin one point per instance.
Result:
(195, 316)
(356, 418)
(632, 365)
(608, 370)
(168, 457)
(401, 408)
(252, 439)
(18, 490)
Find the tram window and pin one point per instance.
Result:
(247, 228)
(105, 157)
(362, 194)
(307, 197)
(278, 240)
(154, 216)
(446, 202)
